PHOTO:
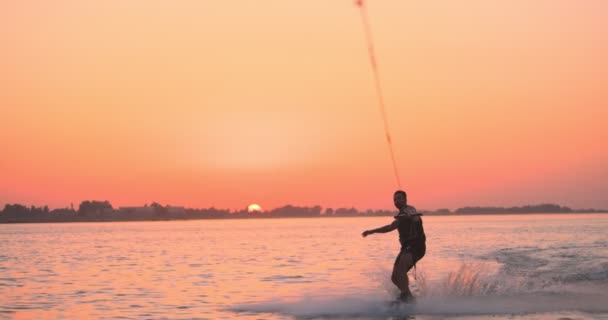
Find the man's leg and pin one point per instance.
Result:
(399, 276)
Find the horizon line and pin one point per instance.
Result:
(74, 207)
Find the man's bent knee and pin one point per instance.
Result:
(395, 275)
(407, 262)
(398, 276)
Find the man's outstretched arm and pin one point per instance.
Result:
(385, 229)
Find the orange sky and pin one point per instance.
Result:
(225, 103)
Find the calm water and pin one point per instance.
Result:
(522, 267)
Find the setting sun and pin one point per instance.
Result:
(254, 208)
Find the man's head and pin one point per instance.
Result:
(400, 199)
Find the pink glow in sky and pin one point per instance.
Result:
(228, 103)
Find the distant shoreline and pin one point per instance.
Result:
(103, 211)
(262, 216)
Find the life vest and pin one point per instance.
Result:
(411, 231)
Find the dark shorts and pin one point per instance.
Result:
(417, 253)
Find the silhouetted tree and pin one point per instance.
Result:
(316, 210)
(346, 212)
(159, 210)
(442, 211)
(15, 211)
(93, 207)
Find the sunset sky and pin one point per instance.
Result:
(225, 103)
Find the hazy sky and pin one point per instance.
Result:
(225, 103)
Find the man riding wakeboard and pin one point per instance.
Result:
(413, 242)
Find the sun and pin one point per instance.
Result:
(254, 208)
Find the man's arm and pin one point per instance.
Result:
(385, 229)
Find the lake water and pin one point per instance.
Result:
(511, 267)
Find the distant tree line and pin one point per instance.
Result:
(104, 211)
(542, 208)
